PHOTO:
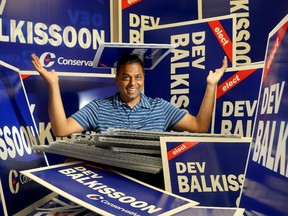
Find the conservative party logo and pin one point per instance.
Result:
(47, 59)
(13, 181)
(94, 197)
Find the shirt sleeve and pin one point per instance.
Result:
(87, 116)
(172, 114)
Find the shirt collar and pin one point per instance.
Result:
(144, 102)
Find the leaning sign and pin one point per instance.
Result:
(17, 135)
(265, 187)
(107, 192)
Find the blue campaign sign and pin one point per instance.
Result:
(265, 187)
(209, 170)
(183, 72)
(17, 134)
(107, 192)
(145, 13)
(255, 19)
(64, 34)
(236, 101)
(108, 54)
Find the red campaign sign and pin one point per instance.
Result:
(180, 149)
(128, 3)
(232, 81)
(222, 37)
(274, 49)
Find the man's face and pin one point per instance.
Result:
(130, 82)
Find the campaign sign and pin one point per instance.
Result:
(107, 192)
(146, 13)
(201, 48)
(17, 134)
(108, 54)
(209, 170)
(255, 19)
(265, 188)
(236, 101)
(64, 34)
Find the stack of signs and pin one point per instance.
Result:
(17, 135)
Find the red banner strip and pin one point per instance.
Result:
(274, 50)
(180, 149)
(232, 81)
(24, 76)
(222, 37)
(128, 3)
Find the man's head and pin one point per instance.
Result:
(130, 78)
(129, 59)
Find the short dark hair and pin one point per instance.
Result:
(129, 59)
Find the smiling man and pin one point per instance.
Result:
(129, 108)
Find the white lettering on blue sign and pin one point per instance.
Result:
(271, 135)
(91, 179)
(211, 183)
(241, 9)
(136, 22)
(16, 141)
(202, 183)
(26, 32)
(238, 109)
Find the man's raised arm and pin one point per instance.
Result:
(202, 121)
(61, 126)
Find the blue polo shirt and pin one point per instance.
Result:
(154, 114)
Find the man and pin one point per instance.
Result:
(129, 109)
